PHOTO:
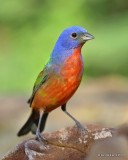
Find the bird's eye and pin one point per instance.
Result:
(74, 35)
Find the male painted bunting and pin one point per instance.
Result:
(58, 81)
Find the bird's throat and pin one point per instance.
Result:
(60, 57)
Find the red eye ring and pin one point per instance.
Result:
(74, 35)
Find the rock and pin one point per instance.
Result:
(115, 148)
(69, 144)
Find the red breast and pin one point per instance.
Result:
(59, 89)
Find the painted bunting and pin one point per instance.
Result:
(58, 81)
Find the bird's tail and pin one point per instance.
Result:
(30, 125)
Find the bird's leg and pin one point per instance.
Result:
(38, 133)
(78, 124)
(43, 121)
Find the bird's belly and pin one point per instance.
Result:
(59, 88)
(55, 93)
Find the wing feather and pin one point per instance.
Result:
(41, 79)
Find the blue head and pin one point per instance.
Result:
(69, 39)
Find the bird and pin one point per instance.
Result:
(58, 81)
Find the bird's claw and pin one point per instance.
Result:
(41, 139)
(83, 130)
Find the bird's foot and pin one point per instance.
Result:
(41, 139)
(82, 129)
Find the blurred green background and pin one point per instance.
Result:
(28, 32)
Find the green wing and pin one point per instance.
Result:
(42, 77)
